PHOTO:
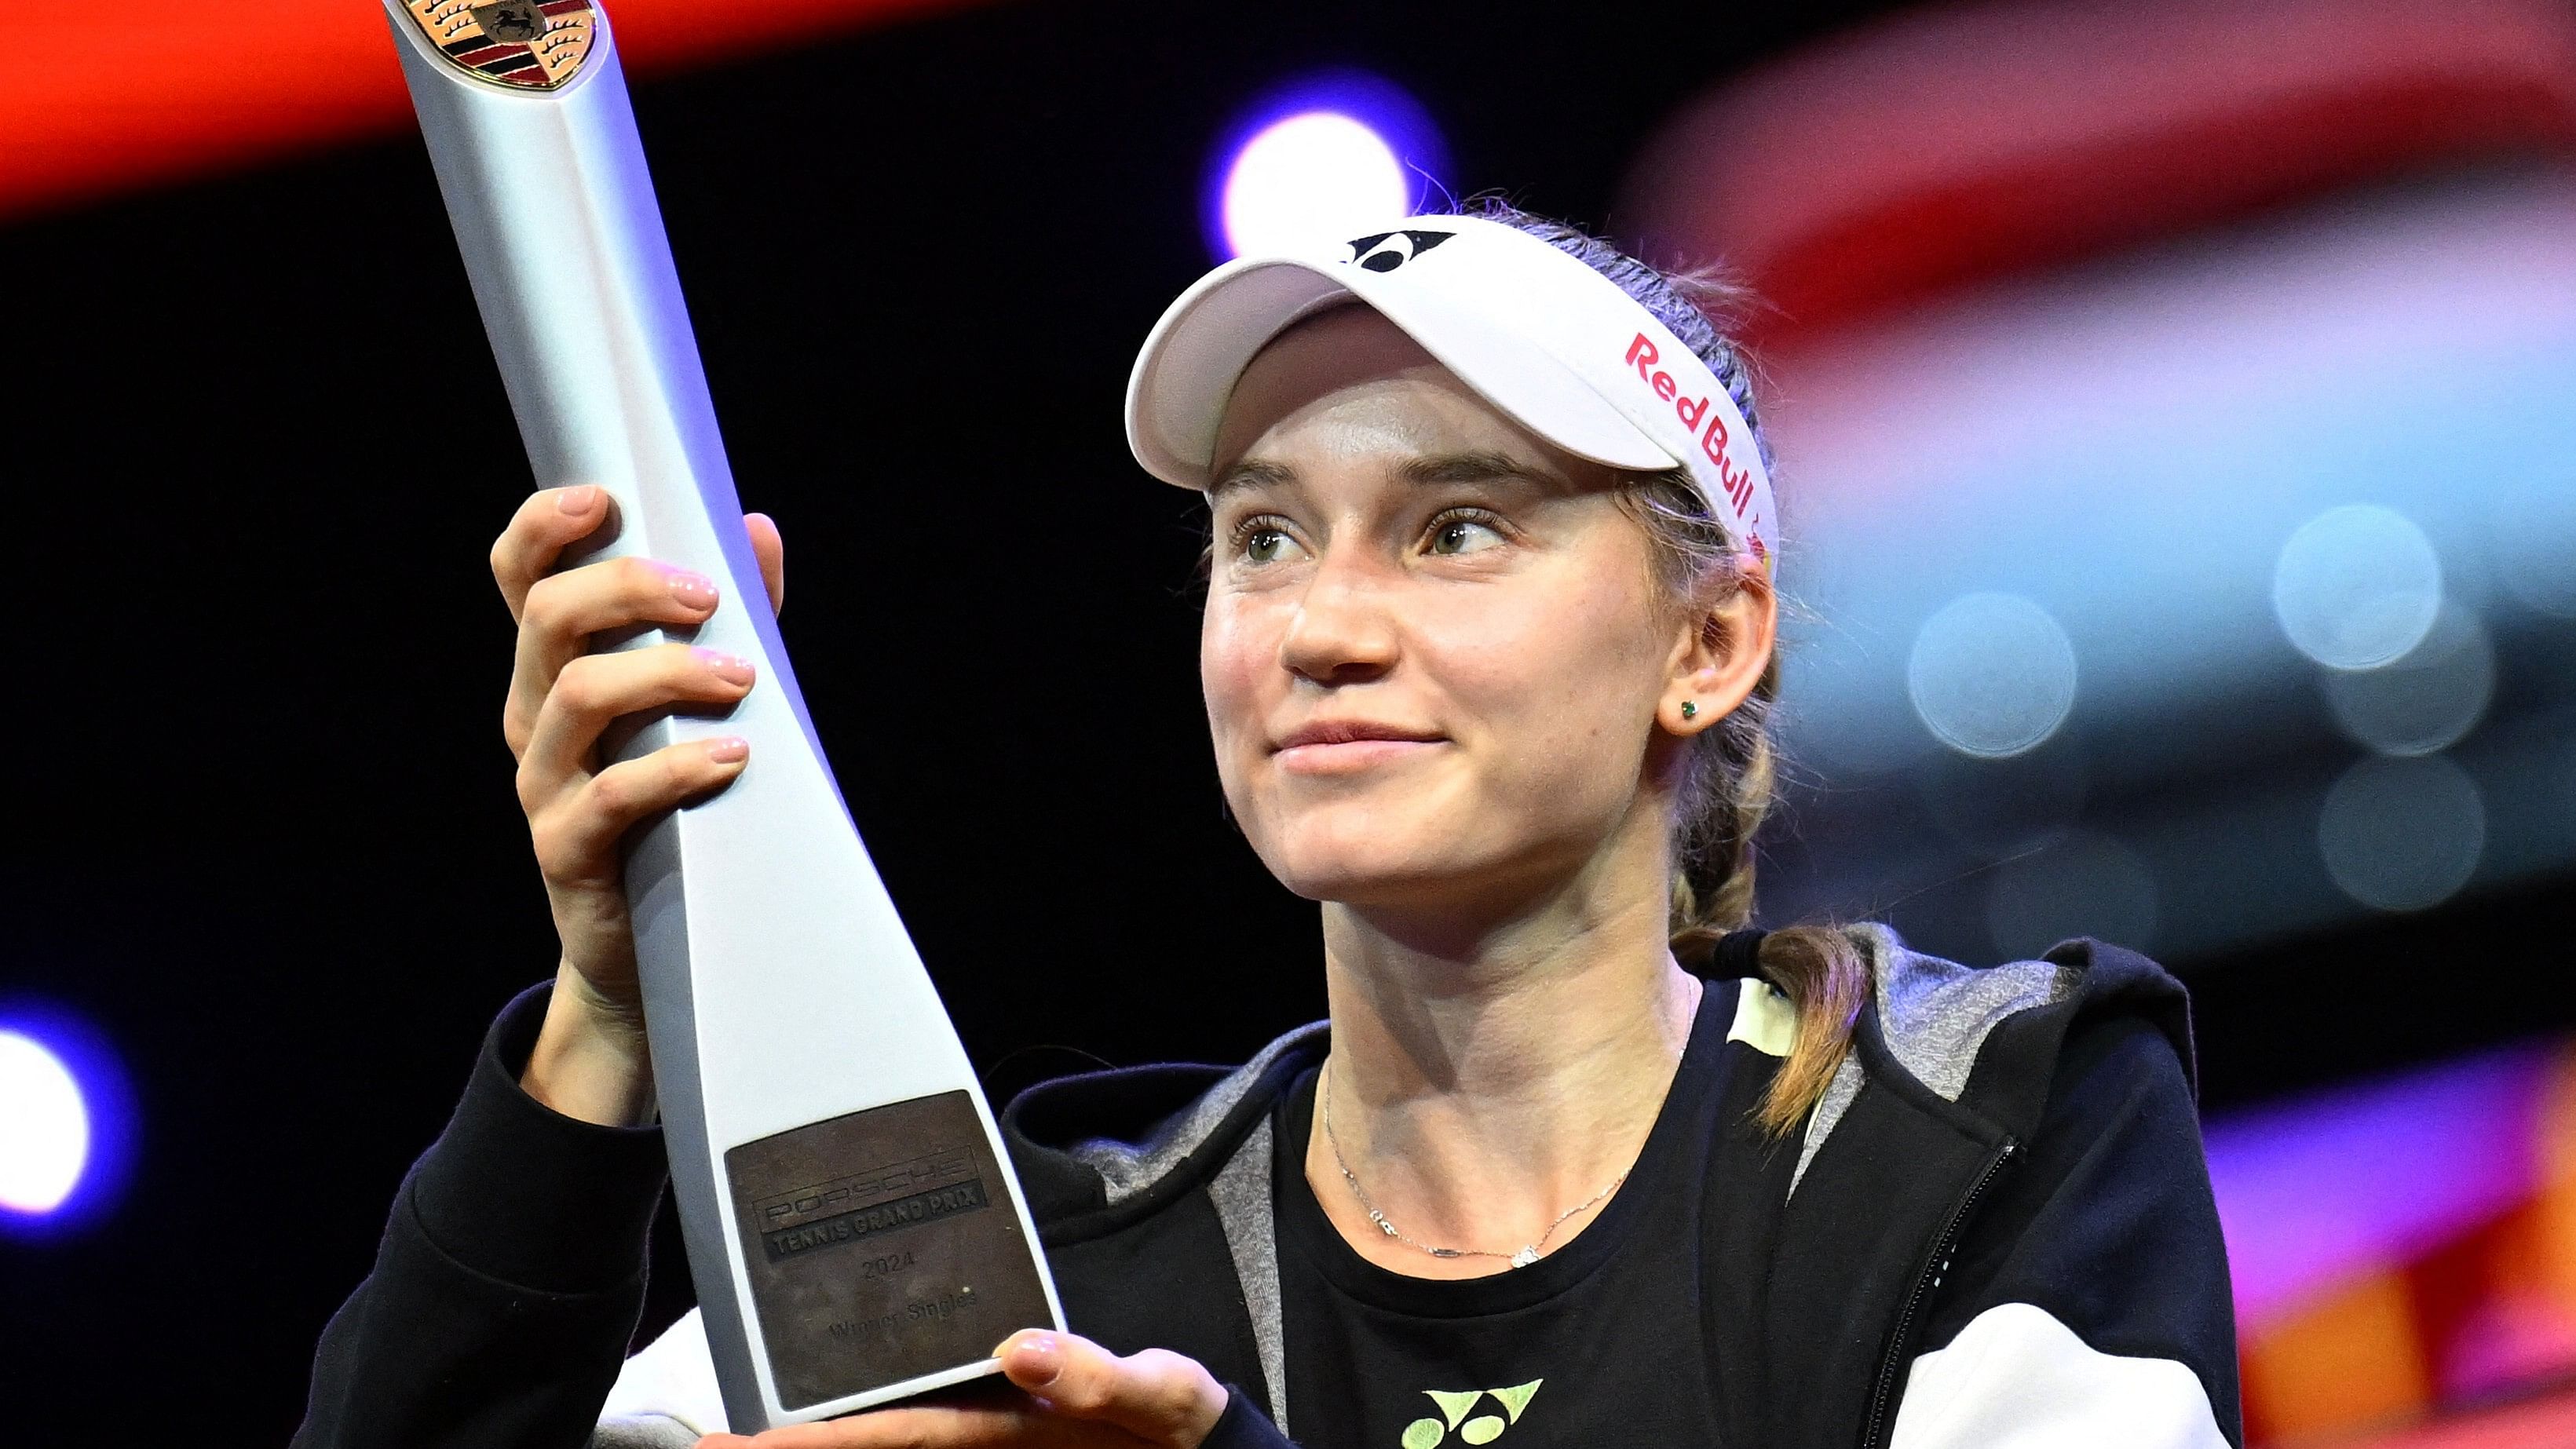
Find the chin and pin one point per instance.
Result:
(1371, 882)
(1355, 855)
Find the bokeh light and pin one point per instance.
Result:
(2402, 834)
(68, 1124)
(44, 1126)
(1326, 158)
(2426, 699)
(2356, 586)
(1992, 674)
(1320, 174)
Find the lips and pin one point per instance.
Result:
(1345, 732)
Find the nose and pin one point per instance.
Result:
(1343, 631)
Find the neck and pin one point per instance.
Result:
(1490, 1073)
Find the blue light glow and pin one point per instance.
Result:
(44, 1131)
(1323, 159)
(1320, 174)
(66, 1123)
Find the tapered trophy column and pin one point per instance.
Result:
(854, 1228)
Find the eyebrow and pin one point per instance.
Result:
(1474, 467)
(1429, 469)
(1250, 473)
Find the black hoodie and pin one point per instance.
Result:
(1997, 1222)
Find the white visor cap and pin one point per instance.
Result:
(1553, 344)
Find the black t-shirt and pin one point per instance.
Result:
(1599, 1342)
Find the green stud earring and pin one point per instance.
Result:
(1689, 710)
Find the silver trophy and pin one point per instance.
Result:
(854, 1228)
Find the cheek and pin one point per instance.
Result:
(1569, 671)
(1238, 654)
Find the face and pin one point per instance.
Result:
(1437, 665)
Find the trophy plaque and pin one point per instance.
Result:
(854, 1227)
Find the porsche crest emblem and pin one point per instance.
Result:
(537, 44)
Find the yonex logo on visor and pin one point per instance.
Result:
(1713, 438)
(1389, 250)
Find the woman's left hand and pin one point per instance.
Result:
(1085, 1397)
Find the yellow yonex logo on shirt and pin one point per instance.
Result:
(1455, 1405)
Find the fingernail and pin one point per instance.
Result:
(1041, 1357)
(726, 667)
(577, 500)
(695, 590)
(728, 749)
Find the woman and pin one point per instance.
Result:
(1578, 1158)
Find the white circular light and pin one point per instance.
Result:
(1992, 674)
(2402, 834)
(44, 1127)
(2425, 699)
(2081, 885)
(2356, 586)
(1318, 175)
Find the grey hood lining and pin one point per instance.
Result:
(1936, 1016)
(1242, 1192)
(1127, 1169)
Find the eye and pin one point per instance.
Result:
(1458, 532)
(1263, 540)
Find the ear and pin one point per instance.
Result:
(1720, 655)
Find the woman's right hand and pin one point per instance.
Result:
(590, 1060)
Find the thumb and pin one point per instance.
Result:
(771, 550)
(1156, 1395)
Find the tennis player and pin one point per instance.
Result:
(1580, 1157)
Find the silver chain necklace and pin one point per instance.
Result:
(1528, 1253)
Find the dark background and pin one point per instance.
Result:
(260, 453)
